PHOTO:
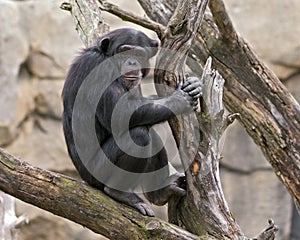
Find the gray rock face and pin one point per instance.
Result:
(272, 28)
(13, 51)
(251, 188)
(253, 191)
(37, 43)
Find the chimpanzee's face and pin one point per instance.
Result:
(132, 62)
(133, 50)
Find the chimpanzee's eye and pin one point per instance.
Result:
(132, 50)
(124, 48)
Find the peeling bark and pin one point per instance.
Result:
(267, 110)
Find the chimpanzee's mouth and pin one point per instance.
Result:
(133, 75)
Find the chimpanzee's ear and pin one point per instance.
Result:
(104, 44)
(154, 47)
(154, 43)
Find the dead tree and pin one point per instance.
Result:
(10, 224)
(269, 113)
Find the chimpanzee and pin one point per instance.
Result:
(134, 49)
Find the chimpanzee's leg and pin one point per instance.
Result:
(131, 164)
(170, 184)
(156, 162)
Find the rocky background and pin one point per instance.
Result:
(37, 44)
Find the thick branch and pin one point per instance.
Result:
(267, 110)
(69, 198)
(222, 19)
(114, 9)
(213, 214)
(88, 19)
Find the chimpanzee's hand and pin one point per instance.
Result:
(188, 100)
(193, 87)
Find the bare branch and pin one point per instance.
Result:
(10, 223)
(267, 110)
(272, 119)
(126, 16)
(222, 20)
(88, 19)
(69, 198)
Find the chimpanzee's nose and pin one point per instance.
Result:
(131, 62)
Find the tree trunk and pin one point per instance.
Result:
(203, 185)
(267, 110)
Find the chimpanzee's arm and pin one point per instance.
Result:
(138, 111)
(160, 109)
(184, 99)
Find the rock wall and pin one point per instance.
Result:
(272, 27)
(38, 43)
(253, 191)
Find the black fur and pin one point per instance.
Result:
(154, 110)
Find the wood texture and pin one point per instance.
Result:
(267, 110)
(72, 199)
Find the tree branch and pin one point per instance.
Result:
(222, 20)
(87, 18)
(78, 202)
(212, 215)
(267, 110)
(126, 16)
(69, 198)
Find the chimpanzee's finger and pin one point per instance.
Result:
(192, 86)
(184, 85)
(179, 86)
(197, 96)
(193, 79)
(196, 93)
(190, 80)
(195, 105)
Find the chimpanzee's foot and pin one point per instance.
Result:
(130, 199)
(176, 186)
